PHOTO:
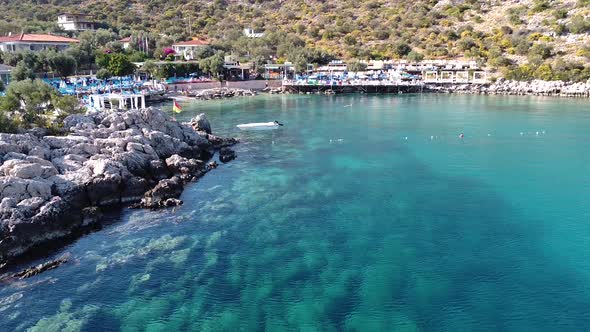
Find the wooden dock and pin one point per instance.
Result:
(353, 87)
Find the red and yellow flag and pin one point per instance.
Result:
(176, 108)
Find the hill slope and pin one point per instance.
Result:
(494, 31)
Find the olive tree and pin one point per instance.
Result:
(62, 64)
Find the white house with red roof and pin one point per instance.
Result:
(34, 42)
(75, 22)
(188, 50)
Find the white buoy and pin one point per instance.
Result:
(489, 135)
(537, 133)
(406, 138)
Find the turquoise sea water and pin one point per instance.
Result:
(375, 217)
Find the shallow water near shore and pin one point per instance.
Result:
(369, 217)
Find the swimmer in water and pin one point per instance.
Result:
(461, 135)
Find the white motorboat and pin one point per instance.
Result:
(259, 125)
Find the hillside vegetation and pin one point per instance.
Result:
(525, 39)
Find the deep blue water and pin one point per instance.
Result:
(375, 217)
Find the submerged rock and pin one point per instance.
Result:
(226, 155)
(35, 270)
(161, 195)
(51, 186)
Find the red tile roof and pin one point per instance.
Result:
(194, 42)
(38, 38)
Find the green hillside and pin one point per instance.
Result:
(502, 34)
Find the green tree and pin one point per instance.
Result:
(65, 105)
(401, 49)
(213, 65)
(102, 58)
(103, 74)
(119, 65)
(519, 73)
(415, 56)
(22, 72)
(541, 50)
(356, 66)
(150, 68)
(544, 72)
(30, 103)
(31, 97)
(62, 64)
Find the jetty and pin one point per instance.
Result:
(333, 87)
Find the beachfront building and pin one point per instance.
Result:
(190, 49)
(75, 22)
(250, 33)
(234, 70)
(334, 66)
(5, 73)
(279, 71)
(34, 42)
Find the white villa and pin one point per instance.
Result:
(250, 33)
(34, 42)
(75, 22)
(187, 50)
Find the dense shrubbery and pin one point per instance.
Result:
(33, 103)
(559, 70)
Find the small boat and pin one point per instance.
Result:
(260, 125)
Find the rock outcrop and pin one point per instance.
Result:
(201, 123)
(35, 270)
(53, 186)
(226, 154)
(219, 93)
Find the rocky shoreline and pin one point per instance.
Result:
(221, 93)
(53, 187)
(518, 88)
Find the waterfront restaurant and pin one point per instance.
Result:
(279, 71)
(236, 71)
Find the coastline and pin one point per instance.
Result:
(500, 87)
(52, 188)
(519, 88)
